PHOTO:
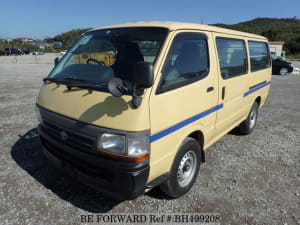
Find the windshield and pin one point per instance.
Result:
(101, 55)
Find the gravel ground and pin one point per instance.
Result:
(251, 179)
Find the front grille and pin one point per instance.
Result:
(74, 140)
(86, 168)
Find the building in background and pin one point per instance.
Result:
(276, 48)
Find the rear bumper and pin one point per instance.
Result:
(120, 180)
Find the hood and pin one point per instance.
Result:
(97, 108)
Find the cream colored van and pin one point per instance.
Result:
(134, 106)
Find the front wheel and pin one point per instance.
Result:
(184, 170)
(248, 125)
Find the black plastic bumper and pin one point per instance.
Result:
(118, 179)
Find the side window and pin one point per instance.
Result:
(232, 57)
(259, 55)
(187, 61)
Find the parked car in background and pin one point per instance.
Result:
(38, 52)
(26, 52)
(63, 52)
(280, 66)
(13, 51)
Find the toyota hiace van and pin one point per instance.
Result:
(134, 106)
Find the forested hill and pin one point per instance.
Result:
(287, 30)
(67, 38)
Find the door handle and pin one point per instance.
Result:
(209, 89)
(223, 92)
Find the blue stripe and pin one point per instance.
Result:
(184, 123)
(188, 121)
(257, 88)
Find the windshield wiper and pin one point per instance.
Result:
(71, 82)
(55, 80)
(74, 79)
(89, 86)
(50, 79)
(63, 80)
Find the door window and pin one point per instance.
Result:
(186, 62)
(232, 57)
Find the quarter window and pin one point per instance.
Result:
(186, 62)
(259, 55)
(232, 57)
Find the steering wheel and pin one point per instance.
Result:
(96, 61)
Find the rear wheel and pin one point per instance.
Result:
(283, 71)
(184, 170)
(248, 125)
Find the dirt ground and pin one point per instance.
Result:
(251, 179)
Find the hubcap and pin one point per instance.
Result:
(186, 169)
(283, 71)
(253, 115)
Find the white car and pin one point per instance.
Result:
(63, 52)
(38, 52)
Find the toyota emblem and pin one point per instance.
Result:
(64, 135)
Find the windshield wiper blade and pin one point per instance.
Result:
(63, 80)
(55, 80)
(90, 86)
(71, 82)
(50, 79)
(74, 79)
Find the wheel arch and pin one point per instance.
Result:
(199, 137)
(258, 100)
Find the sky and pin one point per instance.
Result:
(47, 18)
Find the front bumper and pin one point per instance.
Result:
(118, 179)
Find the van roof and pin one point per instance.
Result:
(181, 26)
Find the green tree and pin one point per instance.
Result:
(285, 29)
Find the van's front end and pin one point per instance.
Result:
(100, 139)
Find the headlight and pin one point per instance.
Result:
(138, 146)
(112, 143)
(38, 114)
(129, 146)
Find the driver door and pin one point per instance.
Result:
(185, 99)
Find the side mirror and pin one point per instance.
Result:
(116, 87)
(142, 75)
(56, 60)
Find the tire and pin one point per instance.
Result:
(248, 125)
(283, 71)
(184, 170)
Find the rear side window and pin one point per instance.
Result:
(259, 55)
(187, 61)
(232, 57)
